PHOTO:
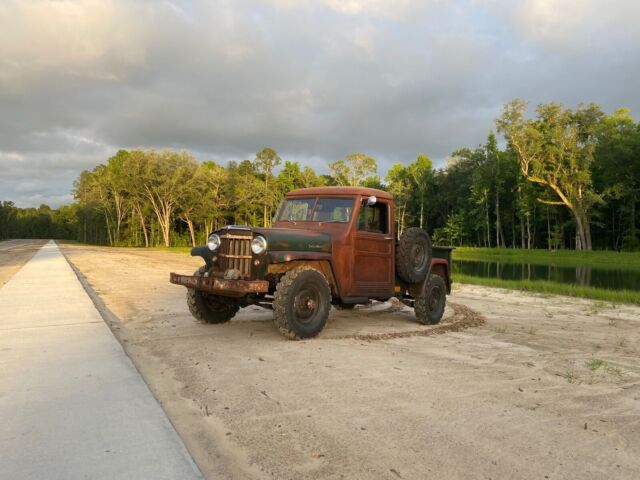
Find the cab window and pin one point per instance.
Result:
(373, 218)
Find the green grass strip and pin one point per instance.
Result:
(169, 249)
(569, 258)
(553, 288)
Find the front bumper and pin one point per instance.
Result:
(220, 286)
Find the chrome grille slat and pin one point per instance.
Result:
(235, 253)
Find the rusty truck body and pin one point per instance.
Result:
(327, 246)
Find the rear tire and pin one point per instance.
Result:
(209, 308)
(301, 303)
(429, 307)
(413, 255)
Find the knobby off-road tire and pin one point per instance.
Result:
(429, 307)
(209, 308)
(413, 255)
(301, 303)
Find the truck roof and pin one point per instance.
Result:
(365, 191)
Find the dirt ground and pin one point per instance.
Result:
(14, 254)
(546, 387)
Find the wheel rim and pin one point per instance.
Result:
(306, 304)
(418, 254)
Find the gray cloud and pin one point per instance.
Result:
(315, 80)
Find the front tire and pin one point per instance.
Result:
(429, 307)
(209, 308)
(301, 303)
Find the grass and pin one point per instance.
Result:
(570, 376)
(142, 249)
(596, 364)
(169, 249)
(553, 288)
(566, 258)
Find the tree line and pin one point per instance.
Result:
(565, 178)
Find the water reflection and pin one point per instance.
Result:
(583, 275)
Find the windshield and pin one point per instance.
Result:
(316, 210)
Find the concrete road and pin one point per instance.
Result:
(72, 405)
(9, 244)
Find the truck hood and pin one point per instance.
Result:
(295, 240)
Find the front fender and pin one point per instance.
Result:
(282, 261)
(205, 253)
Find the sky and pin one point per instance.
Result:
(316, 80)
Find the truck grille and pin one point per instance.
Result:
(235, 253)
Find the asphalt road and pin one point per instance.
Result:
(72, 405)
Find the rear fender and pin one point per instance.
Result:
(440, 267)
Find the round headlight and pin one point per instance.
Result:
(214, 242)
(259, 245)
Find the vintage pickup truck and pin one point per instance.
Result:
(328, 246)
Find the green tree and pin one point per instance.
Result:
(399, 185)
(353, 170)
(115, 182)
(244, 190)
(556, 150)
(617, 167)
(266, 160)
(92, 188)
(166, 181)
(7, 218)
(212, 205)
(132, 174)
(421, 172)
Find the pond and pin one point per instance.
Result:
(584, 276)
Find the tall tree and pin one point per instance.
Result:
(166, 179)
(556, 150)
(92, 188)
(244, 191)
(617, 169)
(399, 182)
(266, 160)
(133, 175)
(212, 205)
(421, 172)
(7, 216)
(115, 181)
(496, 164)
(353, 170)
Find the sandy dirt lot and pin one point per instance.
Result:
(547, 387)
(14, 254)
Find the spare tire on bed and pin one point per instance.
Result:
(413, 255)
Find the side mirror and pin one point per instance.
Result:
(371, 201)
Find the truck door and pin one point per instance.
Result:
(373, 268)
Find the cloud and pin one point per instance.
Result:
(315, 80)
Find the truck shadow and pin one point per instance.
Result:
(377, 321)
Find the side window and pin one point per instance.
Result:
(373, 218)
